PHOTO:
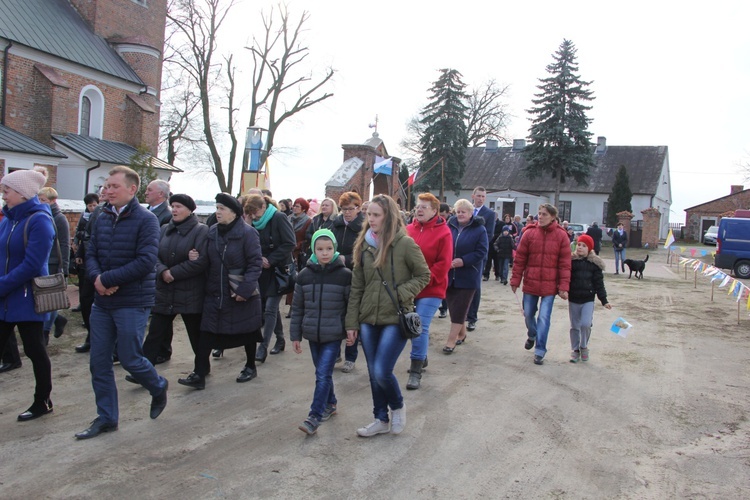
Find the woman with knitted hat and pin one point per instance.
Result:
(586, 282)
(26, 237)
(320, 297)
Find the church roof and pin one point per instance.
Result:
(117, 153)
(345, 172)
(16, 142)
(54, 27)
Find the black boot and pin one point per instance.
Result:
(415, 374)
(262, 353)
(60, 322)
(279, 346)
(193, 380)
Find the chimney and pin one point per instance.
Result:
(601, 145)
(734, 189)
(490, 145)
(518, 145)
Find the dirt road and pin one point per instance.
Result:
(662, 413)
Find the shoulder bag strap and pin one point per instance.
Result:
(396, 303)
(57, 242)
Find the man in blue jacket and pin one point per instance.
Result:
(120, 260)
(478, 197)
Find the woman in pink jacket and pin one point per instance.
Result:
(543, 262)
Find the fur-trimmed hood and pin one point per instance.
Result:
(591, 257)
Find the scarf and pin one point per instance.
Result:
(371, 238)
(298, 221)
(260, 224)
(223, 229)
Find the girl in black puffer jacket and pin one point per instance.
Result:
(318, 311)
(586, 283)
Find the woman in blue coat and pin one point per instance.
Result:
(21, 262)
(470, 247)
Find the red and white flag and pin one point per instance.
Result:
(413, 177)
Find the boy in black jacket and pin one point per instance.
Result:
(504, 246)
(318, 310)
(586, 283)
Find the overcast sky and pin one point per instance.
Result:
(663, 73)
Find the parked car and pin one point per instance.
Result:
(733, 246)
(578, 229)
(710, 237)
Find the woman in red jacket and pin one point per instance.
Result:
(543, 261)
(431, 233)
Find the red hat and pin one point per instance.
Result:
(587, 240)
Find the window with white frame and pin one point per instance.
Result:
(91, 115)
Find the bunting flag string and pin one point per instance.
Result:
(735, 288)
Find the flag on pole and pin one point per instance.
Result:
(412, 178)
(383, 167)
(670, 239)
(267, 177)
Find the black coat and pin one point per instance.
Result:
(346, 235)
(587, 279)
(185, 294)
(277, 241)
(504, 246)
(237, 251)
(62, 233)
(596, 234)
(163, 213)
(319, 306)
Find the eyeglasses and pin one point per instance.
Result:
(348, 209)
(423, 207)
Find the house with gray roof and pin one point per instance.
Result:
(80, 83)
(501, 170)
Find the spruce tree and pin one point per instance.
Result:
(444, 121)
(620, 197)
(560, 143)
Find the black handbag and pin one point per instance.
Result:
(50, 292)
(409, 322)
(285, 278)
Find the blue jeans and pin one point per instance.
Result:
(126, 327)
(426, 308)
(382, 345)
(619, 259)
(538, 327)
(324, 358)
(504, 263)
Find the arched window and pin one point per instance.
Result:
(85, 116)
(91, 116)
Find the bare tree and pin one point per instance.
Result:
(276, 59)
(487, 113)
(487, 119)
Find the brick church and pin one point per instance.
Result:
(80, 82)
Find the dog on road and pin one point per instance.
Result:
(636, 266)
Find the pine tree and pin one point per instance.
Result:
(141, 163)
(444, 120)
(620, 197)
(560, 143)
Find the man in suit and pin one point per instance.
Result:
(478, 197)
(157, 194)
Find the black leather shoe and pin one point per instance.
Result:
(76, 309)
(217, 353)
(6, 367)
(279, 346)
(36, 410)
(443, 314)
(97, 427)
(261, 354)
(131, 379)
(160, 359)
(85, 347)
(529, 343)
(158, 403)
(247, 374)
(193, 380)
(60, 322)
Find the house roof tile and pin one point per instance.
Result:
(10, 140)
(117, 153)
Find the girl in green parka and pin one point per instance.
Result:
(384, 255)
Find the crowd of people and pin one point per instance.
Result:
(347, 272)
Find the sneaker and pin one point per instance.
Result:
(398, 420)
(329, 411)
(309, 426)
(443, 314)
(575, 356)
(375, 428)
(538, 360)
(471, 326)
(529, 344)
(348, 366)
(584, 353)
